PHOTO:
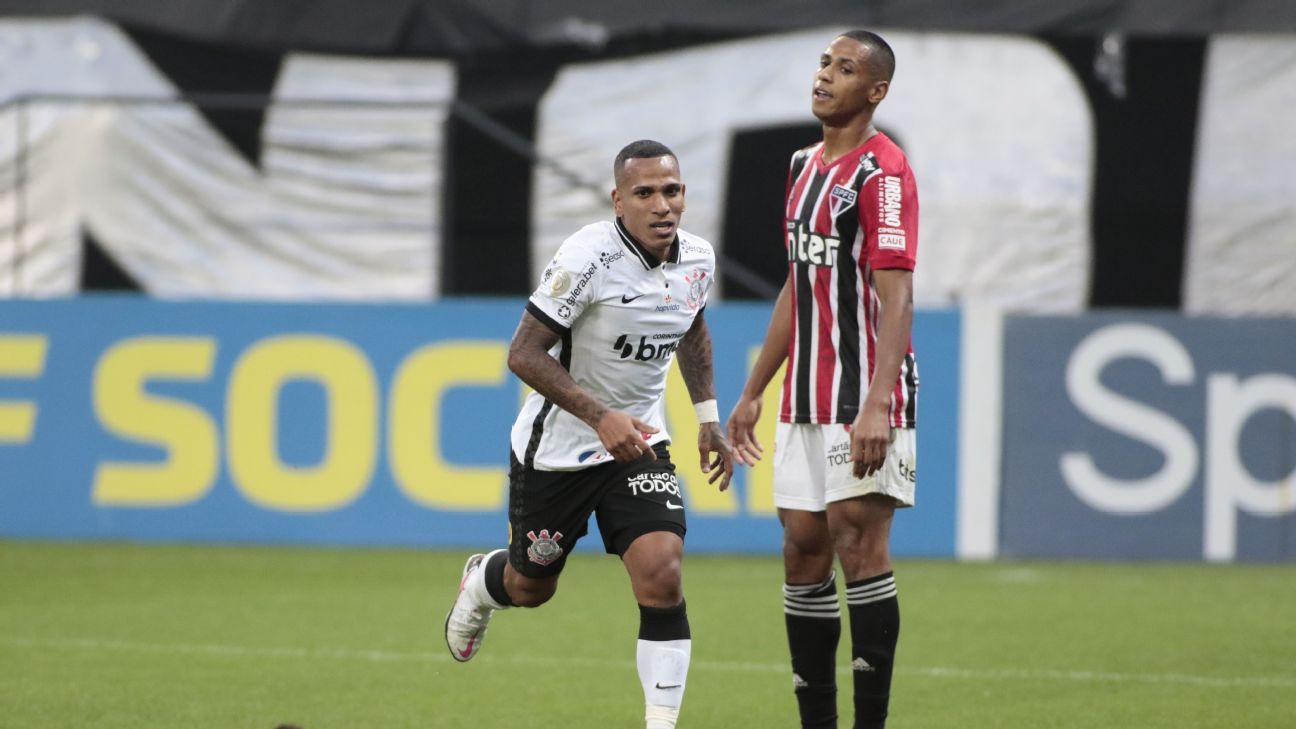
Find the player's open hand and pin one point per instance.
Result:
(870, 436)
(711, 442)
(625, 436)
(742, 430)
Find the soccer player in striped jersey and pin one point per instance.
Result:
(620, 300)
(844, 445)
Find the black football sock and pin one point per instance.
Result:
(813, 618)
(875, 626)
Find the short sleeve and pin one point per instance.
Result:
(890, 218)
(566, 288)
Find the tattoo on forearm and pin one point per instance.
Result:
(695, 361)
(529, 359)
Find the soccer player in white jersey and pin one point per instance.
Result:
(844, 445)
(620, 300)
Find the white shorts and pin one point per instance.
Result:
(812, 467)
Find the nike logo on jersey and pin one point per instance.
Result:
(673, 506)
(627, 299)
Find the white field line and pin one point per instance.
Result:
(384, 656)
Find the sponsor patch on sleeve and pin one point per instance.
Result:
(891, 241)
(559, 282)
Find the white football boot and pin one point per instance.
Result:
(465, 625)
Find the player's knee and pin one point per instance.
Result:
(532, 597)
(806, 562)
(801, 547)
(863, 549)
(663, 585)
(527, 592)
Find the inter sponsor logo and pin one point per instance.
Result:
(812, 248)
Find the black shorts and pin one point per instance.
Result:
(550, 510)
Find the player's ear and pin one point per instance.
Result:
(879, 92)
(616, 201)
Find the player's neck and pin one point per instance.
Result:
(840, 140)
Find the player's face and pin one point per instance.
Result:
(649, 198)
(844, 85)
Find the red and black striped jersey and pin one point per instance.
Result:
(844, 221)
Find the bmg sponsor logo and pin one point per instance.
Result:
(644, 350)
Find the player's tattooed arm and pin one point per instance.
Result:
(695, 365)
(695, 360)
(621, 433)
(529, 359)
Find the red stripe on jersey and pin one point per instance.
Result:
(785, 401)
(898, 393)
(826, 353)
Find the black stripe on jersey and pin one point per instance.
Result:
(868, 163)
(911, 390)
(646, 257)
(804, 357)
(805, 307)
(847, 225)
(547, 320)
(799, 160)
(564, 358)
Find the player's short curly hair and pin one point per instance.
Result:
(641, 149)
(881, 57)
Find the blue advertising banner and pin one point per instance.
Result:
(128, 418)
(1149, 437)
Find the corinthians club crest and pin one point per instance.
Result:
(544, 548)
(696, 288)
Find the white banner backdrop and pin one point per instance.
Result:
(347, 205)
(1242, 228)
(996, 128)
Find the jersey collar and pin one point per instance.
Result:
(645, 256)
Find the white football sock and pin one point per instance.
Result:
(476, 585)
(660, 717)
(663, 671)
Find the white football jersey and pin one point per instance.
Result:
(620, 315)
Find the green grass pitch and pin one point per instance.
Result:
(109, 636)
